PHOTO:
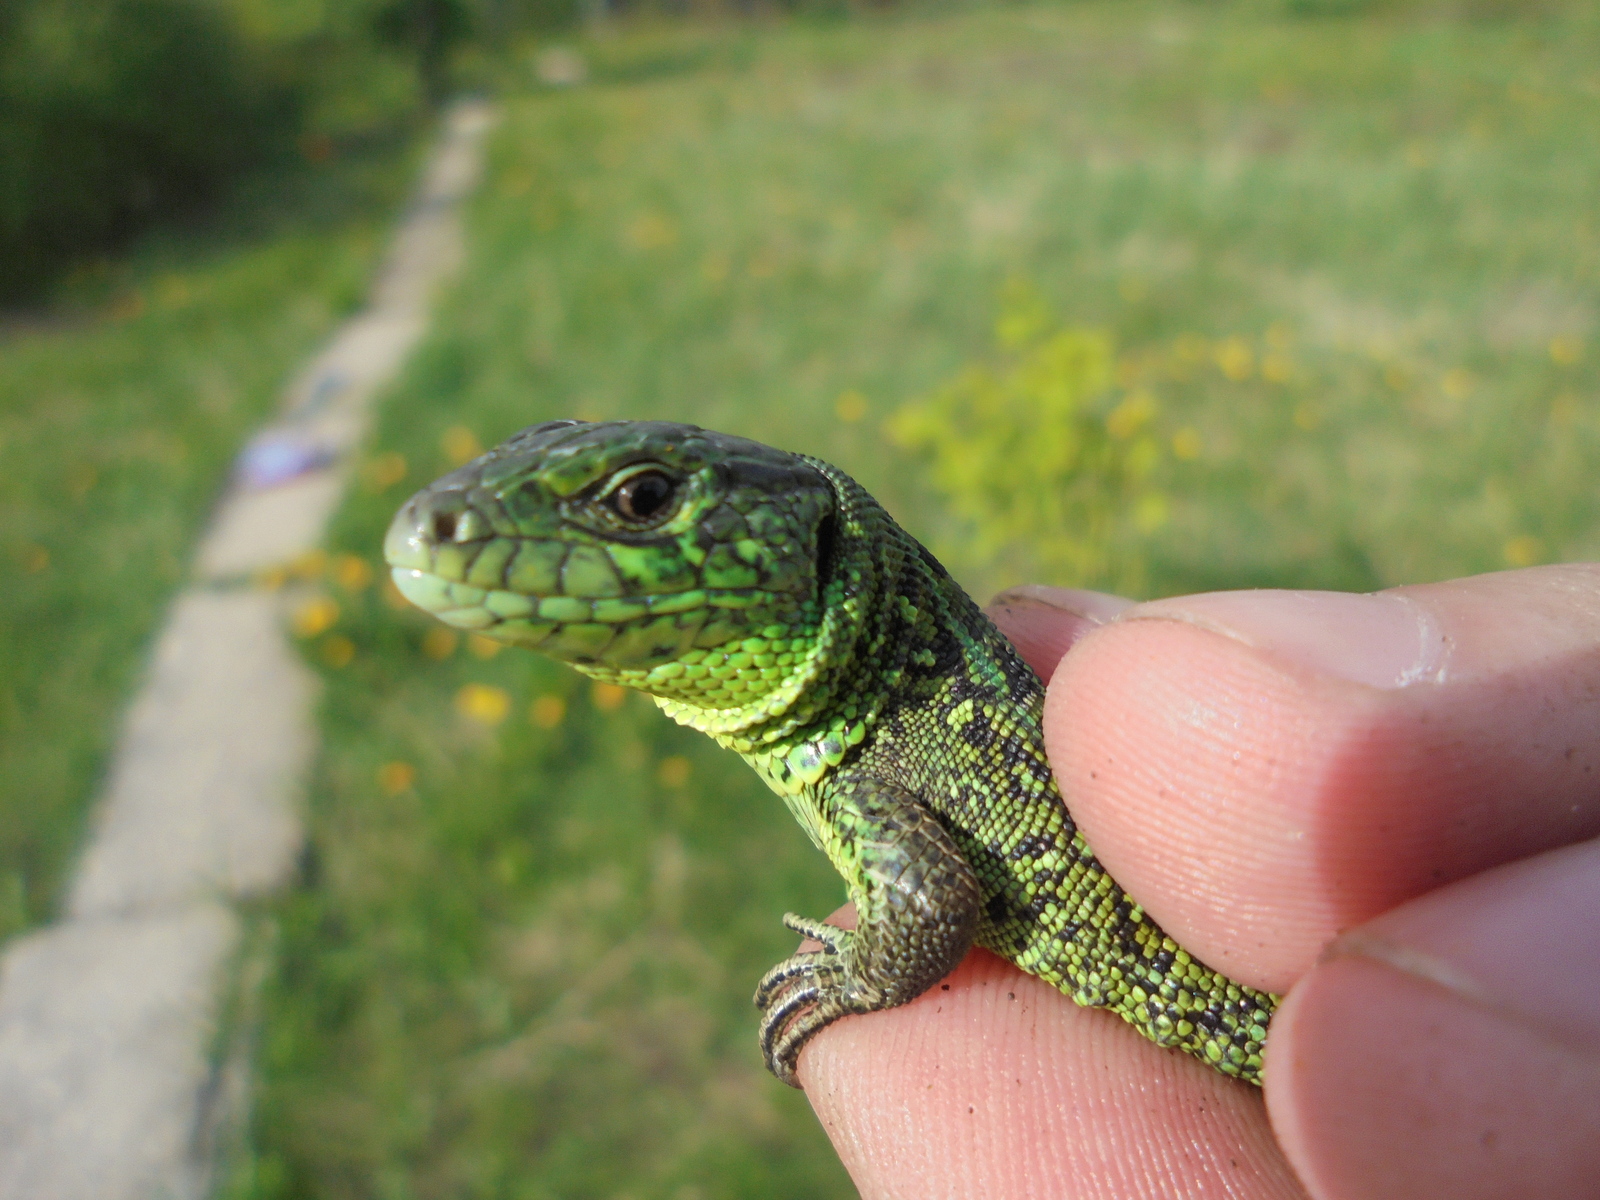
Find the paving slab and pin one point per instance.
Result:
(104, 1064)
(199, 802)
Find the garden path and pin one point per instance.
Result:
(124, 1026)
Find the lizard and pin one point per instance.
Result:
(766, 599)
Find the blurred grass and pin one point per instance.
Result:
(1352, 261)
(119, 414)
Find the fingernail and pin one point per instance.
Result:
(1096, 607)
(1043, 623)
(1384, 640)
(1520, 940)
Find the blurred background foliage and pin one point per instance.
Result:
(1154, 295)
(112, 111)
(116, 114)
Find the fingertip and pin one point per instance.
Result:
(1451, 1047)
(1259, 778)
(1381, 1084)
(994, 1084)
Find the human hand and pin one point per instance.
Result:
(1377, 805)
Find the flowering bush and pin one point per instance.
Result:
(1052, 465)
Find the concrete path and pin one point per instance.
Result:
(112, 1082)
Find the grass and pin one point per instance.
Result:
(1351, 261)
(120, 411)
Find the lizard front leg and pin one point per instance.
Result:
(917, 907)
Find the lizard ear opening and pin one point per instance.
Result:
(827, 532)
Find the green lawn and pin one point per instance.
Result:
(120, 412)
(1349, 265)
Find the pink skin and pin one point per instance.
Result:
(1381, 806)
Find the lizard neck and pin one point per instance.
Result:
(891, 625)
(852, 570)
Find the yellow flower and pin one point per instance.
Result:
(352, 572)
(460, 445)
(384, 471)
(1523, 551)
(1565, 350)
(673, 772)
(315, 616)
(1235, 360)
(1187, 444)
(483, 647)
(482, 703)
(396, 777)
(547, 712)
(850, 407)
(439, 643)
(338, 650)
(1127, 418)
(607, 697)
(1457, 383)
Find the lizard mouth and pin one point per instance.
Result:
(621, 632)
(468, 606)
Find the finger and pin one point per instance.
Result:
(1261, 770)
(994, 1084)
(1452, 1046)
(1044, 622)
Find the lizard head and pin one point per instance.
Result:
(662, 556)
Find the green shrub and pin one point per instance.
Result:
(113, 111)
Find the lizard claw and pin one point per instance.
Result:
(802, 994)
(777, 1016)
(831, 936)
(835, 942)
(784, 1056)
(785, 973)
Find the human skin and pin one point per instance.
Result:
(1383, 807)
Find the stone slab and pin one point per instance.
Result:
(256, 530)
(104, 1073)
(200, 799)
(429, 242)
(368, 349)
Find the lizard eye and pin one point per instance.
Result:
(643, 498)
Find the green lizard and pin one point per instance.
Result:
(766, 599)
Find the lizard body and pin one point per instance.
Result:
(767, 600)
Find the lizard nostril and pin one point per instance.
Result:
(444, 527)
